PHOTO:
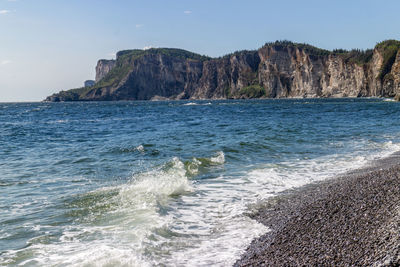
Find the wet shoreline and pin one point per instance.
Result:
(351, 220)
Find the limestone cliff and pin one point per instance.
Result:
(103, 67)
(277, 70)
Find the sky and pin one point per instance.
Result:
(52, 45)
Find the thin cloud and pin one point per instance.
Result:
(187, 12)
(4, 11)
(5, 62)
(113, 55)
(139, 25)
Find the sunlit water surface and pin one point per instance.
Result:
(149, 183)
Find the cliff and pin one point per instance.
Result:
(277, 70)
(103, 67)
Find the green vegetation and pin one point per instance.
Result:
(172, 52)
(356, 56)
(252, 91)
(387, 44)
(227, 92)
(353, 56)
(117, 73)
(237, 53)
(73, 94)
(312, 50)
(389, 49)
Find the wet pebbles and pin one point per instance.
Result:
(353, 220)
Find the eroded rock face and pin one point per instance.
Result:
(103, 67)
(395, 73)
(153, 75)
(280, 72)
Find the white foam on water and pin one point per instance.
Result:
(271, 179)
(190, 104)
(219, 158)
(117, 223)
(163, 217)
(389, 100)
(219, 230)
(216, 218)
(197, 104)
(140, 148)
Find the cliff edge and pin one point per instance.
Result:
(277, 70)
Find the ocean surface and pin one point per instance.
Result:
(168, 183)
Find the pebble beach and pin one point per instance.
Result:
(351, 220)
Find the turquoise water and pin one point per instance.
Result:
(149, 183)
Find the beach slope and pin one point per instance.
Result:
(352, 220)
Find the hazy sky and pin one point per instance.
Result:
(50, 45)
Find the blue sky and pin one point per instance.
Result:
(50, 45)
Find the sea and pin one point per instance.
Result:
(168, 183)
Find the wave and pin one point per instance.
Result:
(197, 165)
(271, 179)
(197, 104)
(166, 216)
(114, 225)
(389, 100)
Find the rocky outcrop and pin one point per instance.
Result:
(277, 70)
(393, 81)
(103, 67)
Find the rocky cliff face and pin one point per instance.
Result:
(103, 67)
(392, 83)
(277, 70)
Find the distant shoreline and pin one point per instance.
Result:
(349, 220)
(207, 99)
(280, 69)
